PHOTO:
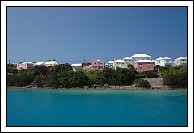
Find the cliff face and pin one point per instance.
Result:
(155, 82)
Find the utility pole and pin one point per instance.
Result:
(84, 59)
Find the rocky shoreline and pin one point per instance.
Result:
(104, 88)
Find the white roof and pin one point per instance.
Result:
(27, 63)
(119, 61)
(145, 61)
(167, 58)
(127, 58)
(160, 58)
(38, 63)
(140, 55)
(110, 62)
(76, 65)
(50, 62)
(181, 58)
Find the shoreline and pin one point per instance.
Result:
(101, 88)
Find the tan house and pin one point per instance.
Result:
(119, 63)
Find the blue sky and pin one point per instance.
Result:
(70, 33)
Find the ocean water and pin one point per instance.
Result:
(28, 107)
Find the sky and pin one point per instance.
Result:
(70, 34)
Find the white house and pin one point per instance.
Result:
(137, 57)
(50, 63)
(76, 67)
(39, 63)
(164, 61)
(180, 61)
(110, 64)
(119, 63)
(157, 61)
(128, 60)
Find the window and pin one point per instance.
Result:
(123, 63)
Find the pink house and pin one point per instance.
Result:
(24, 65)
(89, 67)
(98, 64)
(144, 65)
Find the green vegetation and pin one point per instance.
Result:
(63, 76)
(175, 76)
(148, 74)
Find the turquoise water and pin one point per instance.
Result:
(28, 107)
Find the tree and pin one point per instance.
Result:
(175, 76)
(148, 74)
(51, 80)
(23, 79)
(126, 76)
(38, 81)
(64, 77)
(95, 77)
(11, 68)
(40, 70)
(110, 76)
(79, 79)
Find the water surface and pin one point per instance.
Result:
(28, 107)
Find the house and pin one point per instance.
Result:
(164, 61)
(180, 61)
(88, 67)
(137, 57)
(157, 61)
(76, 67)
(119, 63)
(110, 64)
(144, 65)
(98, 64)
(128, 60)
(39, 63)
(50, 63)
(24, 65)
(106, 64)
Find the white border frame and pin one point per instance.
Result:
(96, 3)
